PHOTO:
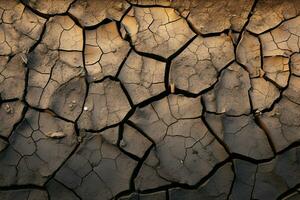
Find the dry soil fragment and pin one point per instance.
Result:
(10, 114)
(142, 77)
(148, 176)
(63, 34)
(248, 54)
(269, 13)
(277, 69)
(134, 142)
(157, 30)
(91, 12)
(277, 176)
(263, 94)
(215, 15)
(156, 117)
(49, 6)
(283, 40)
(244, 180)
(12, 78)
(104, 51)
(230, 94)
(19, 28)
(186, 151)
(106, 104)
(33, 156)
(3, 144)
(110, 135)
(267, 180)
(28, 194)
(283, 123)
(197, 67)
(56, 191)
(56, 81)
(184, 159)
(292, 92)
(56, 69)
(295, 64)
(241, 130)
(97, 170)
(217, 187)
(67, 100)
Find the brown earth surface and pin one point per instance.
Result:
(149, 99)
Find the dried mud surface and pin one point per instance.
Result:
(149, 99)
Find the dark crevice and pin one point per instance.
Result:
(134, 174)
(189, 94)
(38, 13)
(247, 22)
(254, 181)
(147, 5)
(86, 84)
(73, 192)
(120, 138)
(223, 144)
(145, 54)
(122, 63)
(152, 100)
(186, 186)
(266, 131)
(290, 192)
(271, 29)
(168, 61)
(133, 125)
(233, 181)
(22, 187)
(62, 164)
(103, 22)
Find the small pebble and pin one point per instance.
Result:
(8, 109)
(123, 143)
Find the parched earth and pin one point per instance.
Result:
(149, 99)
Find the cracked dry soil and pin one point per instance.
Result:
(149, 99)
